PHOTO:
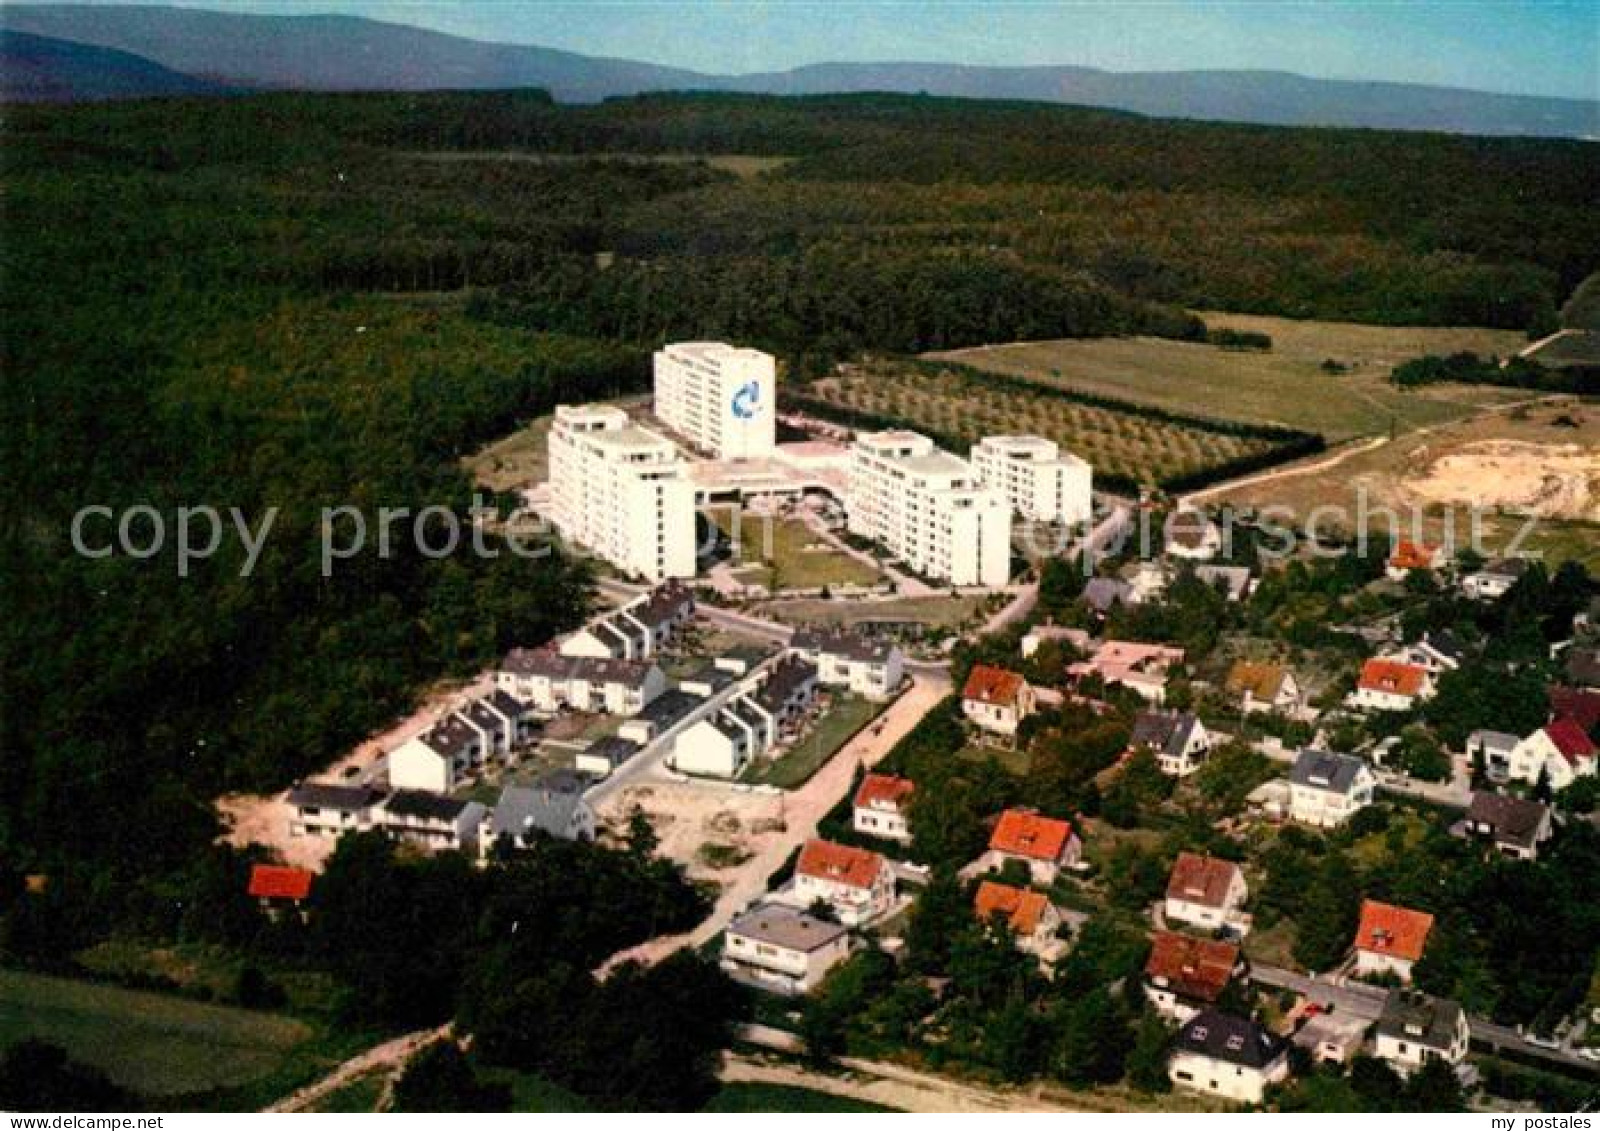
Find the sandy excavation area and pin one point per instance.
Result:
(708, 828)
(1552, 480)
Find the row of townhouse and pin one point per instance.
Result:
(724, 743)
(463, 742)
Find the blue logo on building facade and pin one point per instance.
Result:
(747, 401)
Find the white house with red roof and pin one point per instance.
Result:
(1206, 892)
(857, 884)
(997, 700)
(1044, 844)
(1390, 939)
(1562, 749)
(882, 807)
(1391, 685)
(1408, 556)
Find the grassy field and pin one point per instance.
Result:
(155, 1044)
(1286, 385)
(935, 612)
(739, 164)
(961, 408)
(1387, 477)
(847, 715)
(784, 553)
(1574, 347)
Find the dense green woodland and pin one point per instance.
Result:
(299, 301)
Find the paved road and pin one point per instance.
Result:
(1357, 999)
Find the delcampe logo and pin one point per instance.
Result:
(747, 401)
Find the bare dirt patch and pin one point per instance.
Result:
(1555, 480)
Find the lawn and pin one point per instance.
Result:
(155, 1044)
(752, 1097)
(1286, 385)
(934, 612)
(1012, 759)
(842, 720)
(786, 554)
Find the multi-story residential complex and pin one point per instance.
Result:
(621, 491)
(1041, 482)
(929, 509)
(720, 397)
(783, 949)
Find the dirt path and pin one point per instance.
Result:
(387, 1058)
(255, 819)
(1351, 451)
(801, 809)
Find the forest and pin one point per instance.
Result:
(299, 301)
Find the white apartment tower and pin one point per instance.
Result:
(720, 397)
(622, 492)
(1042, 483)
(928, 508)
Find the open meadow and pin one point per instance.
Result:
(1291, 385)
(155, 1044)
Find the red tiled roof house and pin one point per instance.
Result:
(882, 807)
(278, 889)
(1206, 892)
(1184, 975)
(1390, 685)
(1563, 751)
(1031, 917)
(1390, 939)
(1044, 844)
(857, 884)
(996, 700)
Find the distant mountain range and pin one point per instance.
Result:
(151, 50)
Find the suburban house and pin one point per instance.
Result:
(996, 700)
(1044, 844)
(1179, 741)
(553, 805)
(1391, 685)
(1233, 581)
(1206, 892)
(1560, 752)
(1389, 939)
(1495, 579)
(1185, 975)
(782, 949)
(1415, 1028)
(870, 668)
(436, 759)
(857, 884)
(1494, 748)
(326, 809)
(602, 756)
(1140, 667)
(1263, 687)
(1583, 666)
(1514, 825)
(1031, 918)
(660, 715)
(723, 744)
(278, 889)
(1192, 536)
(1077, 639)
(551, 681)
(430, 820)
(1102, 594)
(1436, 653)
(1408, 555)
(788, 691)
(1582, 707)
(882, 807)
(1326, 789)
(1228, 1056)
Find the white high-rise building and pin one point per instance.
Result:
(721, 398)
(928, 508)
(1042, 483)
(622, 492)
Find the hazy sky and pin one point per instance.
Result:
(1522, 46)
